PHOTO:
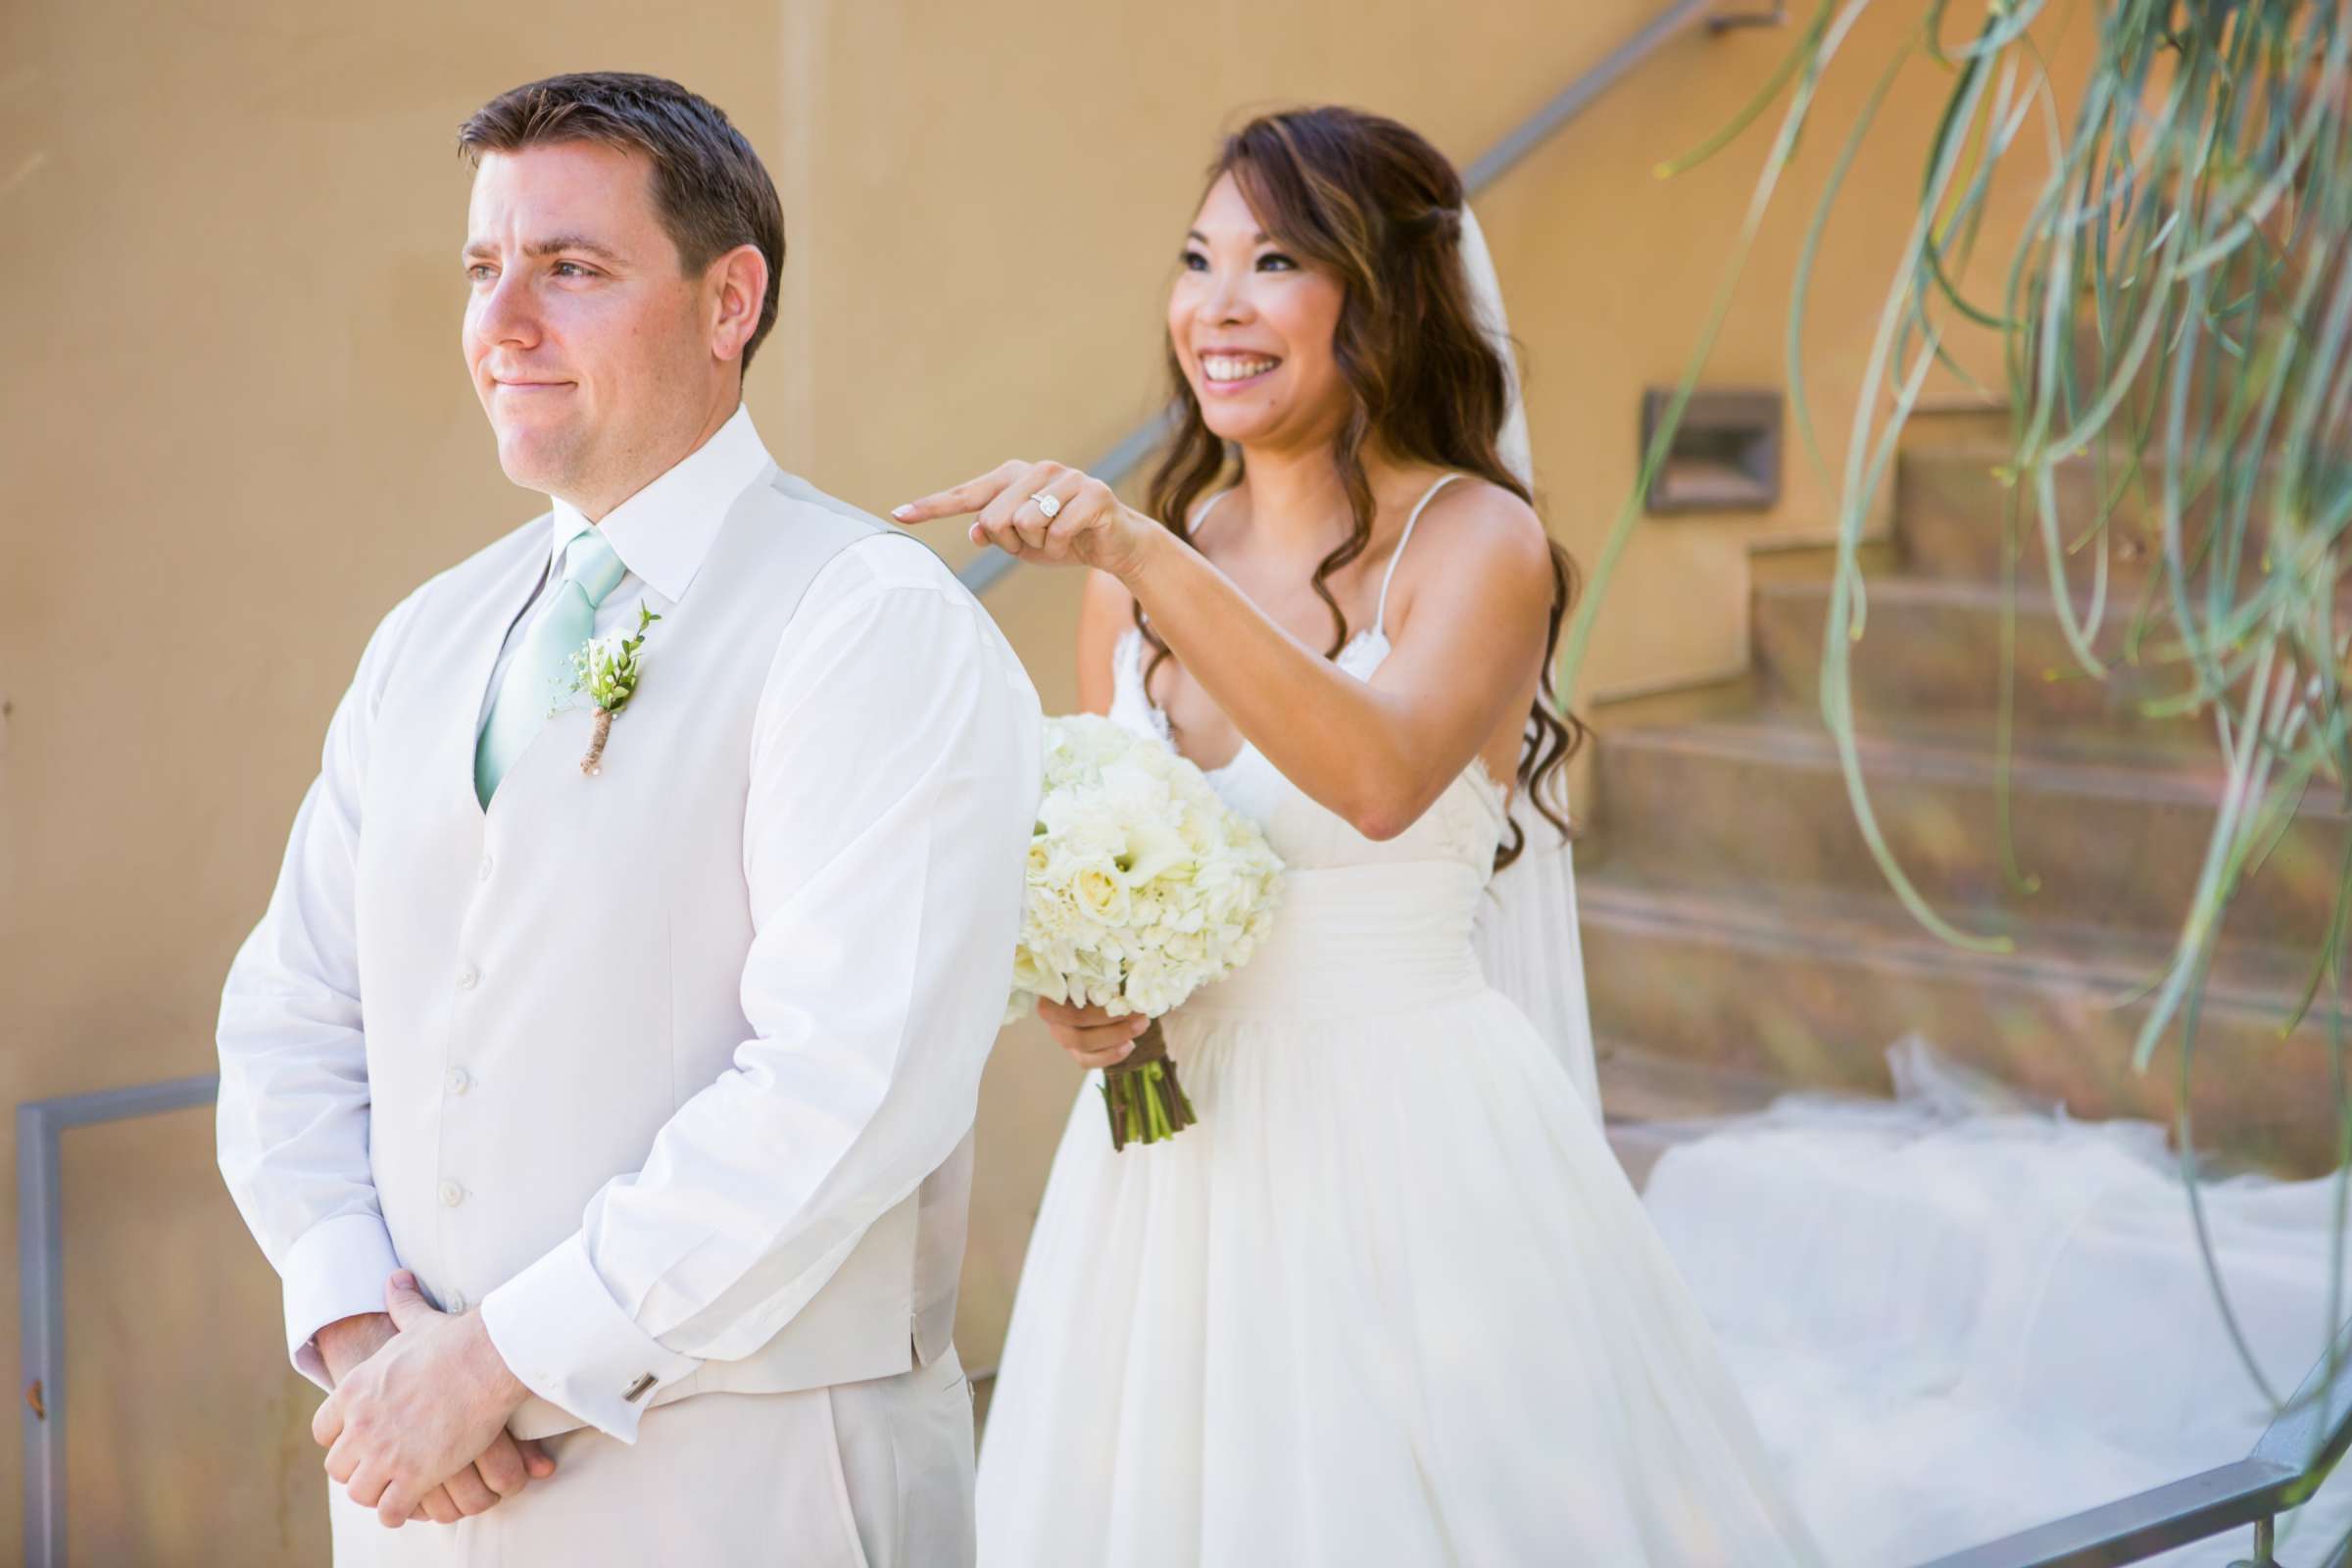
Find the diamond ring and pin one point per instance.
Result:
(1051, 506)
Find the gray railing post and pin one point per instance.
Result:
(41, 1285)
(41, 1308)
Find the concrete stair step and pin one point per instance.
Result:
(2117, 835)
(1810, 990)
(1952, 508)
(1930, 651)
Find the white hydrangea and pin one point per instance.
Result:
(1143, 886)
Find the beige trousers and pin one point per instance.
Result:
(862, 1475)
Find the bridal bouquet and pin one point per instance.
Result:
(1143, 887)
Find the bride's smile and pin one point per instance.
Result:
(1251, 327)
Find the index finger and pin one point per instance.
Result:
(326, 1424)
(970, 496)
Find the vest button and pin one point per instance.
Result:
(452, 1194)
(460, 1080)
(467, 977)
(487, 863)
(455, 1305)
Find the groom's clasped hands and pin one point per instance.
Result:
(416, 1427)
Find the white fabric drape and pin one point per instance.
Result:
(1960, 1314)
(1525, 931)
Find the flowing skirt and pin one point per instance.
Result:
(1959, 1315)
(1392, 1302)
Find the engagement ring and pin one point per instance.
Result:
(1047, 505)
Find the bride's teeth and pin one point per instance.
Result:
(1223, 368)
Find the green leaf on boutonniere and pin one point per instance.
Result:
(607, 671)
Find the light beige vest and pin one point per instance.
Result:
(546, 982)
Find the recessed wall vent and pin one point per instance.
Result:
(1725, 456)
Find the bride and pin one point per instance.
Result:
(1392, 1301)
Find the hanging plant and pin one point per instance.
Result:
(2177, 315)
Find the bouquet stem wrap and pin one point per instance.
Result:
(1145, 1101)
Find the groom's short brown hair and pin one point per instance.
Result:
(710, 188)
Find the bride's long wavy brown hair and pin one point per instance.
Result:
(1375, 206)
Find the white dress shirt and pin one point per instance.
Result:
(760, 1182)
(661, 534)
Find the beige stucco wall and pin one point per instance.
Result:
(235, 429)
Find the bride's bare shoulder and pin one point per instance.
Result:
(1487, 508)
(1481, 530)
(1478, 563)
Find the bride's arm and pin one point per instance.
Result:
(1105, 614)
(1378, 755)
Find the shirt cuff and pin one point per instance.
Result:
(560, 1333)
(335, 1270)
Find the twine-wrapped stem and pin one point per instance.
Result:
(1141, 1096)
(593, 764)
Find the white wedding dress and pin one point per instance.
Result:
(1392, 1300)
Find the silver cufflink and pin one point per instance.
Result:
(643, 1383)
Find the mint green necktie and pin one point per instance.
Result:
(540, 675)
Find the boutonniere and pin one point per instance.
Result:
(608, 669)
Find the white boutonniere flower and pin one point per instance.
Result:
(607, 669)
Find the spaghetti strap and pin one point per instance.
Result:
(1200, 513)
(1380, 615)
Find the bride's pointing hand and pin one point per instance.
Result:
(1046, 512)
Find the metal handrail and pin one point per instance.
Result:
(41, 1283)
(986, 569)
(2293, 1456)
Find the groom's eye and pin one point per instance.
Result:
(578, 270)
(476, 270)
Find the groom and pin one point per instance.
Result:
(609, 1122)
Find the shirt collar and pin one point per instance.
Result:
(663, 533)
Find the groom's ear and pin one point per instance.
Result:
(736, 286)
